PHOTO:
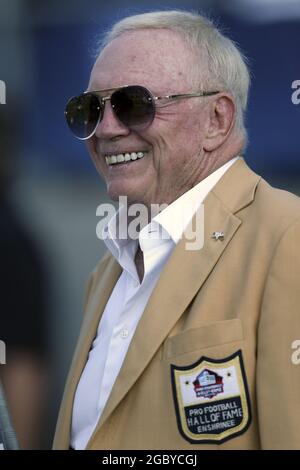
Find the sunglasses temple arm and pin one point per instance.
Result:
(183, 95)
(191, 95)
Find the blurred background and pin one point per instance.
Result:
(50, 190)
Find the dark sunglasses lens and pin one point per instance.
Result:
(83, 114)
(133, 106)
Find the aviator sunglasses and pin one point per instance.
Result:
(133, 105)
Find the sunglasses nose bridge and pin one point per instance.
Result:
(109, 125)
(103, 99)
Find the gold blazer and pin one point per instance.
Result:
(211, 364)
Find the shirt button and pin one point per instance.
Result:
(124, 333)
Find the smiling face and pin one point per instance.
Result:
(169, 152)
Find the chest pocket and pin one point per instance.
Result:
(203, 337)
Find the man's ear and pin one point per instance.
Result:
(220, 122)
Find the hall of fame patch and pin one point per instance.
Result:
(211, 399)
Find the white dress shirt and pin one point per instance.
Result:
(127, 303)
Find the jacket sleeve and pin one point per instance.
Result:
(278, 374)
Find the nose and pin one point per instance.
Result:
(110, 127)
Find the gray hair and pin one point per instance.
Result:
(226, 67)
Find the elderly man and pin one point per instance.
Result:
(183, 347)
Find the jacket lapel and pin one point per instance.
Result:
(182, 277)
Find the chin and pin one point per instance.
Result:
(133, 197)
(117, 191)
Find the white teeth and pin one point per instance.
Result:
(121, 157)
